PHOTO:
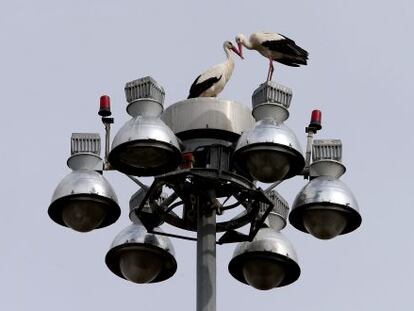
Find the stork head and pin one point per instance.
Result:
(229, 46)
(240, 40)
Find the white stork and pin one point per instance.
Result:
(275, 47)
(212, 82)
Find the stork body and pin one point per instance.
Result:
(212, 81)
(274, 47)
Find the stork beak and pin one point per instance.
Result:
(240, 50)
(237, 51)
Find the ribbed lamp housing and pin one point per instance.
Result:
(145, 97)
(327, 149)
(279, 214)
(271, 100)
(85, 151)
(327, 158)
(272, 92)
(145, 146)
(85, 142)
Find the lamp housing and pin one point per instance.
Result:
(84, 200)
(267, 262)
(145, 145)
(141, 257)
(277, 218)
(270, 151)
(326, 207)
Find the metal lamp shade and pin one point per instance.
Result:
(269, 152)
(268, 261)
(141, 257)
(325, 208)
(83, 201)
(145, 146)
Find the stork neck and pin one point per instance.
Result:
(229, 64)
(247, 44)
(228, 54)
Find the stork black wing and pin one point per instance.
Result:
(197, 89)
(293, 54)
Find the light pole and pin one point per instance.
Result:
(206, 156)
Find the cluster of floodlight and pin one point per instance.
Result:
(269, 152)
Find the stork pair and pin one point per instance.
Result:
(273, 46)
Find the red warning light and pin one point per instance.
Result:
(316, 119)
(105, 106)
(188, 160)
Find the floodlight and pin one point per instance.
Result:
(270, 151)
(270, 260)
(325, 207)
(141, 257)
(145, 145)
(84, 200)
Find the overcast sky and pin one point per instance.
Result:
(58, 57)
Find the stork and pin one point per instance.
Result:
(212, 81)
(275, 47)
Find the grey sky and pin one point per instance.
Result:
(58, 57)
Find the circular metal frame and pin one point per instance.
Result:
(222, 183)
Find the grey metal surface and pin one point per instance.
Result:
(141, 128)
(206, 260)
(327, 168)
(270, 110)
(145, 97)
(85, 150)
(271, 100)
(145, 146)
(277, 218)
(267, 135)
(272, 92)
(136, 235)
(327, 149)
(84, 182)
(145, 87)
(147, 214)
(267, 242)
(87, 161)
(85, 142)
(326, 192)
(87, 186)
(208, 113)
(326, 189)
(327, 157)
(268, 131)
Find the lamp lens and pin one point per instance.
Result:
(145, 156)
(267, 165)
(263, 274)
(140, 266)
(324, 223)
(83, 215)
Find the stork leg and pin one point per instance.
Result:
(271, 70)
